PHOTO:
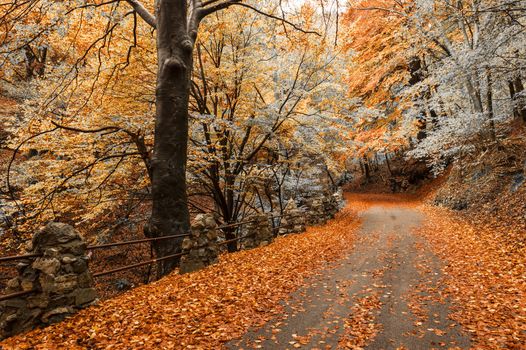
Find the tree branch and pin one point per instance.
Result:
(205, 11)
(376, 8)
(277, 18)
(143, 12)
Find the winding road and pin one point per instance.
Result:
(384, 295)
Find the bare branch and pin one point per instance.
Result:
(277, 18)
(205, 11)
(379, 9)
(143, 12)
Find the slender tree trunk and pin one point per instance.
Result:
(362, 167)
(376, 162)
(170, 215)
(489, 106)
(474, 95)
(388, 164)
(366, 168)
(230, 233)
(516, 113)
(521, 106)
(333, 184)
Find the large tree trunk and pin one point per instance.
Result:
(170, 215)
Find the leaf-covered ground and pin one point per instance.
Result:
(385, 294)
(485, 275)
(447, 261)
(203, 309)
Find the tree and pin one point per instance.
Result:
(254, 87)
(176, 25)
(460, 58)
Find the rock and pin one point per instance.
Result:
(52, 253)
(123, 284)
(18, 303)
(60, 300)
(187, 243)
(85, 280)
(76, 247)
(60, 280)
(40, 301)
(191, 266)
(59, 284)
(79, 265)
(29, 273)
(291, 205)
(13, 284)
(201, 247)
(57, 314)
(67, 268)
(212, 235)
(27, 285)
(65, 283)
(21, 266)
(259, 229)
(47, 266)
(53, 235)
(68, 259)
(210, 221)
(199, 222)
(10, 319)
(84, 296)
(47, 283)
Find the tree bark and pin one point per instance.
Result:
(388, 164)
(521, 106)
(366, 168)
(474, 96)
(512, 96)
(170, 214)
(489, 106)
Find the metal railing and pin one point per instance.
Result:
(132, 242)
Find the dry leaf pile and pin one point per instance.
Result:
(203, 309)
(484, 275)
(361, 327)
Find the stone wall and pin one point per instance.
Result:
(315, 214)
(201, 247)
(333, 203)
(293, 220)
(259, 232)
(62, 283)
(322, 208)
(60, 279)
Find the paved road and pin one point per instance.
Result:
(385, 295)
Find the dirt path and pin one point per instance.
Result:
(384, 295)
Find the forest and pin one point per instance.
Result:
(273, 174)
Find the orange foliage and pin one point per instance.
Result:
(376, 39)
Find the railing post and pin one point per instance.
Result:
(60, 280)
(200, 248)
